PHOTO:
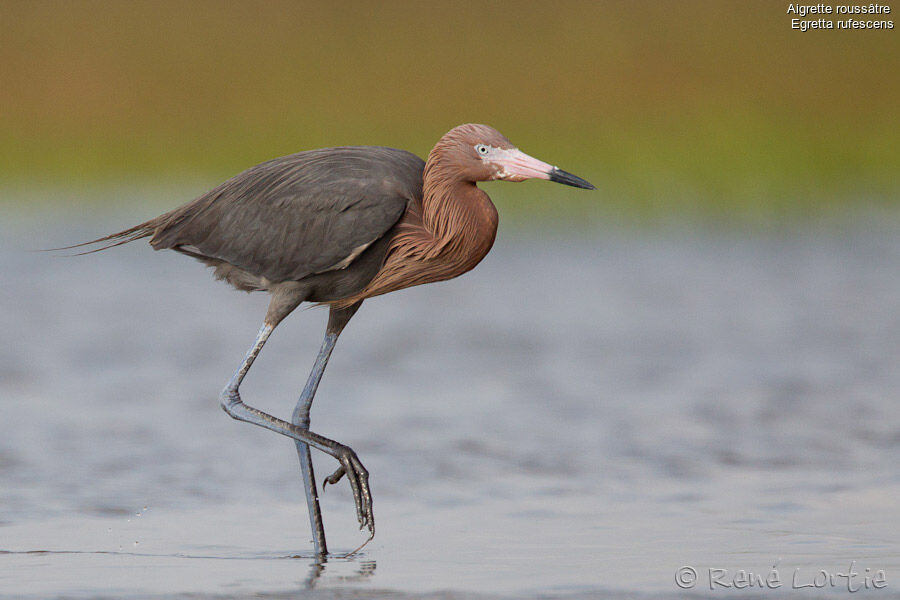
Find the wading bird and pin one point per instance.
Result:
(336, 226)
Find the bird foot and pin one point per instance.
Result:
(334, 477)
(359, 484)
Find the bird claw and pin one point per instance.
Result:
(359, 484)
(334, 477)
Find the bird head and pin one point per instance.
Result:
(481, 153)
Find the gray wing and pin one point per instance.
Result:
(294, 216)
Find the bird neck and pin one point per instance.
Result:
(459, 216)
(444, 236)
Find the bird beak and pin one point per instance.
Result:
(515, 165)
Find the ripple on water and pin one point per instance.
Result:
(659, 399)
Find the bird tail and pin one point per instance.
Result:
(112, 240)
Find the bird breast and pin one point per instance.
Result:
(435, 241)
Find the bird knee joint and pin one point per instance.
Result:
(230, 399)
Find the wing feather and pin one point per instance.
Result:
(297, 215)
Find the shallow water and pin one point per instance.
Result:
(581, 416)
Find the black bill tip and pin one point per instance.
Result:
(564, 177)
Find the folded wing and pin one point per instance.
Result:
(298, 215)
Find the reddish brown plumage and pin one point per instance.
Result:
(454, 224)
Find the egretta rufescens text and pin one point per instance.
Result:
(336, 226)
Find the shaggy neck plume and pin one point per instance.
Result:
(446, 235)
(459, 216)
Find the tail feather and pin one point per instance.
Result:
(116, 239)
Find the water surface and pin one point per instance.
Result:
(581, 416)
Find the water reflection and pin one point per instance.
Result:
(317, 570)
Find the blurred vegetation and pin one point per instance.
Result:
(713, 108)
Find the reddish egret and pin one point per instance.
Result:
(336, 226)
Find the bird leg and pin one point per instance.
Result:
(358, 475)
(337, 320)
(300, 418)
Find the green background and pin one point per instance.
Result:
(699, 109)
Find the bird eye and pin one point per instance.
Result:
(481, 149)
